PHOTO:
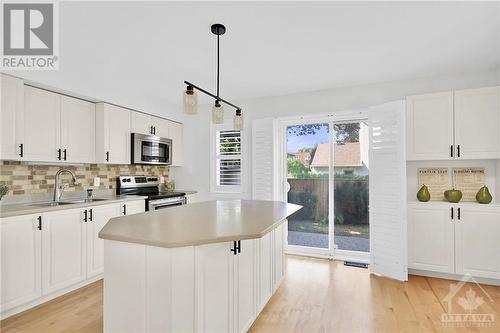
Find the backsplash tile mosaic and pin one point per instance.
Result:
(23, 178)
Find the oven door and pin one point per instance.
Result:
(150, 149)
(166, 203)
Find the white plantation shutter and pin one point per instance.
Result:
(228, 158)
(388, 245)
(264, 175)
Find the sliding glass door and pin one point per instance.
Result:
(308, 179)
(350, 174)
(327, 170)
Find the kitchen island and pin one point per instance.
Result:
(205, 267)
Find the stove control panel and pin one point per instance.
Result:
(137, 181)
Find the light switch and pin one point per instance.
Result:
(162, 180)
(97, 181)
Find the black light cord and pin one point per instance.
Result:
(218, 65)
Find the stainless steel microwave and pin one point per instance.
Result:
(150, 149)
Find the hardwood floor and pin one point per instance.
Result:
(316, 296)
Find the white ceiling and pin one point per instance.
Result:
(127, 52)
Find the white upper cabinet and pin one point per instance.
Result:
(112, 134)
(11, 118)
(39, 125)
(150, 125)
(454, 125)
(477, 123)
(161, 127)
(77, 130)
(141, 123)
(58, 128)
(176, 134)
(429, 127)
(42, 125)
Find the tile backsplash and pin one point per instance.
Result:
(29, 178)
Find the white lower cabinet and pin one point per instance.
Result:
(228, 285)
(265, 274)
(455, 238)
(63, 249)
(214, 265)
(97, 217)
(278, 255)
(431, 238)
(203, 288)
(132, 207)
(44, 254)
(245, 273)
(477, 242)
(20, 261)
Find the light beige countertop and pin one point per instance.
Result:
(200, 223)
(188, 192)
(28, 208)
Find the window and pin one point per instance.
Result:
(227, 177)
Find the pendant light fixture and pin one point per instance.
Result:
(238, 120)
(190, 103)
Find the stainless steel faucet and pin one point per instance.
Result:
(58, 188)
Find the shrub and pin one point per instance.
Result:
(351, 201)
(306, 199)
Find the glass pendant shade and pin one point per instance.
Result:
(217, 113)
(238, 120)
(190, 101)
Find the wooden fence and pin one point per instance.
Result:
(319, 188)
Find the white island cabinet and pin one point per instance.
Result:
(204, 267)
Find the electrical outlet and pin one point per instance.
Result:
(162, 180)
(97, 181)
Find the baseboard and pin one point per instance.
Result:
(449, 276)
(46, 298)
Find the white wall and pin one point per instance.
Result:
(195, 175)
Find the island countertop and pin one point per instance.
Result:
(200, 223)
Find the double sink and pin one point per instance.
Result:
(69, 202)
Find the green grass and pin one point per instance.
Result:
(350, 230)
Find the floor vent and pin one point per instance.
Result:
(355, 264)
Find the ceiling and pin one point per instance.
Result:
(139, 53)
